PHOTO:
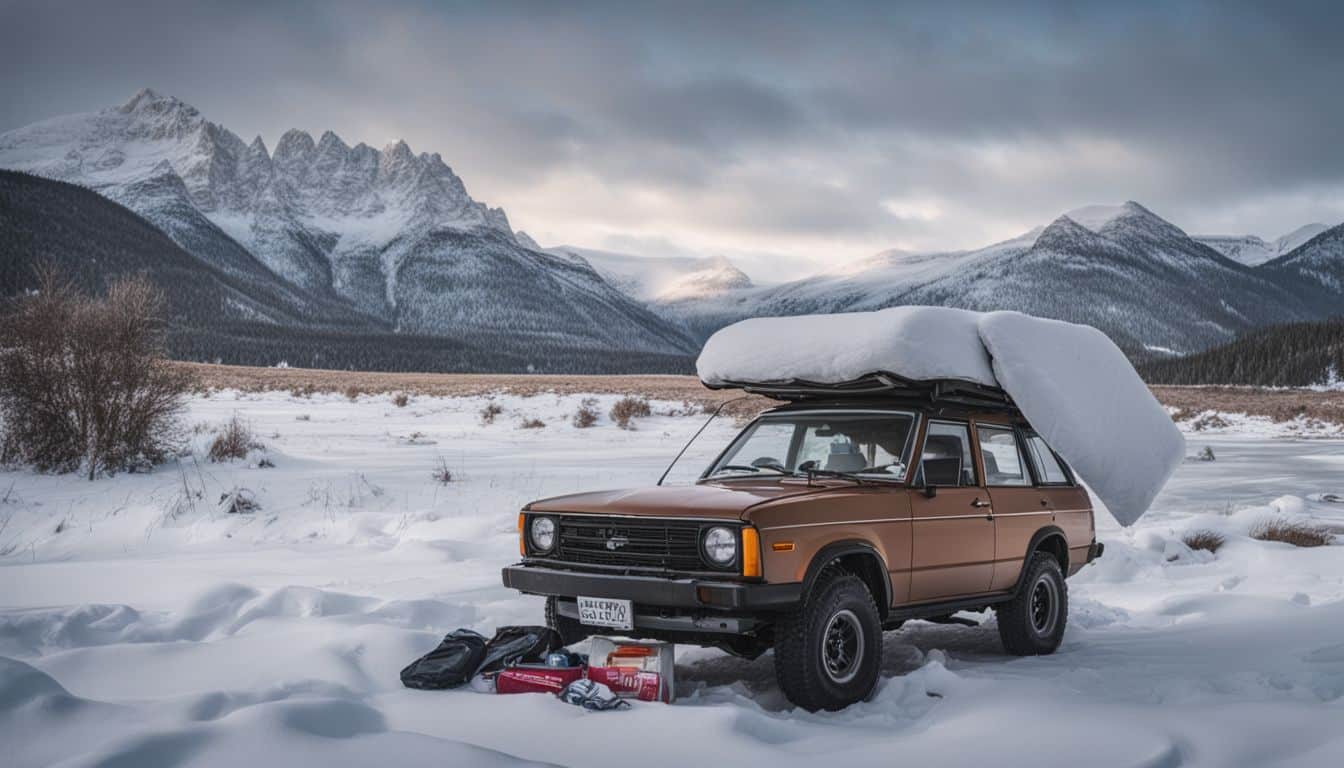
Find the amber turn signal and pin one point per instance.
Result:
(751, 552)
(522, 543)
(782, 546)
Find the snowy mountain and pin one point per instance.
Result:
(391, 232)
(1319, 262)
(660, 279)
(1121, 268)
(1253, 251)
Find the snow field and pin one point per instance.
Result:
(154, 629)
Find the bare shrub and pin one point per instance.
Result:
(627, 409)
(586, 416)
(532, 423)
(490, 411)
(1210, 541)
(83, 381)
(442, 474)
(304, 417)
(1299, 534)
(232, 442)
(401, 399)
(239, 501)
(1209, 421)
(1207, 454)
(353, 392)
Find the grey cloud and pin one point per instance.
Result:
(757, 124)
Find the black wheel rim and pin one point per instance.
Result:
(842, 647)
(1044, 606)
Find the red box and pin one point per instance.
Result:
(536, 678)
(632, 682)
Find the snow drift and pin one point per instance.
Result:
(1070, 381)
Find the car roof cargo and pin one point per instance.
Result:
(882, 385)
(1075, 387)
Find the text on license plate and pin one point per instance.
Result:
(606, 612)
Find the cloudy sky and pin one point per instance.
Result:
(787, 137)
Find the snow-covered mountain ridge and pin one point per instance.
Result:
(393, 233)
(1253, 251)
(1124, 269)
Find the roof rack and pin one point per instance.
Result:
(880, 384)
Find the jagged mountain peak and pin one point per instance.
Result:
(294, 144)
(149, 100)
(330, 141)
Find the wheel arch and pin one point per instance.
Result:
(1049, 539)
(859, 557)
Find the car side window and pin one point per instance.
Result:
(1047, 467)
(946, 458)
(1002, 455)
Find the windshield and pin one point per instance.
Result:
(870, 443)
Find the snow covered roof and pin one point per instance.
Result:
(1072, 383)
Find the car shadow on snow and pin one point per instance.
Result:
(903, 651)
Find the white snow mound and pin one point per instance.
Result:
(1071, 382)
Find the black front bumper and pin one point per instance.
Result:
(653, 590)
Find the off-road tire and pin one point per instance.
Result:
(1022, 627)
(837, 598)
(571, 631)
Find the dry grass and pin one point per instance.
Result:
(401, 399)
(442, 474)
(1276, 404)
(233, 441)
(1210, 541)
(490, 411)
(629, 408)
(532, 423)
(586, 416)
(1299, 534)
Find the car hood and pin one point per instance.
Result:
(727, 500)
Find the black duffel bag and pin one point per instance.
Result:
(451, 664)
(464, 654)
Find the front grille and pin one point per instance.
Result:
(672, 545)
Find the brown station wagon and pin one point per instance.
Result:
(841, 514)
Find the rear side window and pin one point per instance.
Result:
(946, 458)
(1047, 466)
(1004, 464)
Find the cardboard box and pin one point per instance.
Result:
(634, 669)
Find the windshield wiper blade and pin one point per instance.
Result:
(852, 476)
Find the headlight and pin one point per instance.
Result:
(720, 546)
(543, 534)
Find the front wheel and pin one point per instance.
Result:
(828, 651)
(571, 631)
(1032, 623)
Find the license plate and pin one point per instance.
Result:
(606, 612)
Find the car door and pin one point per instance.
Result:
(1020, 508)
(953, 521)
(1067, 499)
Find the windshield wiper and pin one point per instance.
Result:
(755, 468)
(856, 477)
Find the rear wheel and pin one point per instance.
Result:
(1032, 623)
(571, 631)
(828, 651)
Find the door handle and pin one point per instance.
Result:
(1045, 502)
(979, 504)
